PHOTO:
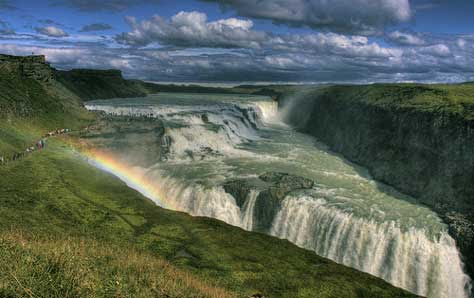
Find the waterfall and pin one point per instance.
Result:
(208, 143)
(248, 210)
(409, 258)
(268, 110)
(196, 199)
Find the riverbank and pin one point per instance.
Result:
(417, 138)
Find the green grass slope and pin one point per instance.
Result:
(61, 200)
(456, 99)
(100, 84)
(28, 109)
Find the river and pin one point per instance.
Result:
(347, 216)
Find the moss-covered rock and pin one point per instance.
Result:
(273, 187)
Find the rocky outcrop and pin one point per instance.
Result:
(421, 147)
(33, 67)
(273, 188)
(140, 141)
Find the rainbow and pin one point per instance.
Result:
(133, 177)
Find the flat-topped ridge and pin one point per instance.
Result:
(34, 67)
(23, 59)
(93, 72)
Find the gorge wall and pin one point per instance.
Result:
(419, 139)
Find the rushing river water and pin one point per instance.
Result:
(346, 216)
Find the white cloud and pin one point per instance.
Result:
(440, 50)
(51, 31)
(191, 29)
(404, 38)
(332, 43)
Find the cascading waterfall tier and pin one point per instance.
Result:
(408, 259)
(212, 139)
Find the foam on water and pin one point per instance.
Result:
(408, 259)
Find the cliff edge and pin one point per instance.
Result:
(417, 138)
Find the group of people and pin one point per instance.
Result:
(56, 132)
(40, 145)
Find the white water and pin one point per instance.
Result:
(248, 210)
(348, 217)
(408, 259)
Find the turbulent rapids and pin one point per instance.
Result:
(209, 140)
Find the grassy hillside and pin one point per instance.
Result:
(455, 99)
(68, 210)
(100, 84)
(28, 109)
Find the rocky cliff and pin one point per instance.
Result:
(417, 138)
(272, 188)
(34, 67)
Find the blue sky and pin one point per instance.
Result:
(316, 41)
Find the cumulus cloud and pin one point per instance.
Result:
(102, 5)
(190, 47)
(96, 27)
(327, 62)
(332, 43)
(349, 16)
(405, 38)
(51, 31)
(440, 50)
(191, 29)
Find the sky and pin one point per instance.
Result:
(296, 41)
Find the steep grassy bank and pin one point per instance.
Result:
(33, 103)
(55, 195)
(417, 138)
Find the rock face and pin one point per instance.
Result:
(139, 141)
(273, 188)
(34, 67)
(428, 154)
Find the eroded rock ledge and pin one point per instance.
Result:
(273, 187)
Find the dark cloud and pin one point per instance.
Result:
(51, 31)
(189, 47)
(6, 5)
(348, 16)
(102, 5)
(191, 29)
(96, 27)
(424, 64)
